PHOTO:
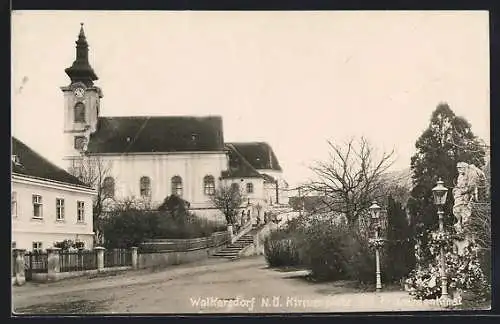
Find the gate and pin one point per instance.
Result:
(35, 262)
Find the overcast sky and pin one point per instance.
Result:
(292, 79)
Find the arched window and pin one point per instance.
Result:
(209, 185)
(249, 187)
(177, 186)
(145, 185)
(108, 187)
(79, 112)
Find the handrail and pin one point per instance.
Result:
(243, 231)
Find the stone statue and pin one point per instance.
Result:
(470, 180)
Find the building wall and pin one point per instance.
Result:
(270, 188)
(26, 229)
(127, 171)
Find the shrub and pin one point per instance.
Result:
(69, 244)
(463, 272)
(127, 227)
(281, 251)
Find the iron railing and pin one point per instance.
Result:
(117, 258)
(36, 262)
(77, 261)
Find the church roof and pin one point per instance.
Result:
(239, 167)
(259, 154)
(268, 178)
(27, 162)
(157, 134)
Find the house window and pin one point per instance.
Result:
(145, 184)
(13, 204)
(209, 185)
(177, 186)
(249, 187)
(108, 187)
(79, 112)
(80, 207)
(80, 142)
(37, 206)
(13, 244)
(59, 209)
(37, 246)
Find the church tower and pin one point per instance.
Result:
(81, 101)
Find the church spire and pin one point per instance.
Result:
(81, 71)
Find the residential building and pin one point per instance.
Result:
(48, 204)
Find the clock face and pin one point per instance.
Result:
(79, 92)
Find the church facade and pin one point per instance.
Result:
(151, 157)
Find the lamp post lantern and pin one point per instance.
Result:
(440, 193)
(375, 214)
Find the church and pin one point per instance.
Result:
(154, 157)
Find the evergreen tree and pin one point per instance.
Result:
(448, 140)
(400, 255)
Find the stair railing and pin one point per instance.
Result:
(244, 230)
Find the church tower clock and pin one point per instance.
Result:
(81, 102)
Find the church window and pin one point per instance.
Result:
(79, 112)
(108, 187)
(209, 185)
(177, 186)
(145, 184)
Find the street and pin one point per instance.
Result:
(211, 286)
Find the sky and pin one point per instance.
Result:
(294, 79)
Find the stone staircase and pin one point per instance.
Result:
(231, 252)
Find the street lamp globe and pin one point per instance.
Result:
(439, 192)
(375, 210)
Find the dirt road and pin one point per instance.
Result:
(212, 286)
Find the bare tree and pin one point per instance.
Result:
(351, 179)
(228, 199)
(92, 171)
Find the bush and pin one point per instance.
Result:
(463, 272)
(338, 252)
(127, 227)
(332, 251)
(69, 244)
(281, 249)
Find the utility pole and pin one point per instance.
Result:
(277, 193)
(301, 204)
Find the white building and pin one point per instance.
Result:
(154, 157)
(48, 204)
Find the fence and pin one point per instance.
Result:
(36, 262)
(77, 261)
(184, 245)
(117, 258)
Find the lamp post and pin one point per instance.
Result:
(375, 213)
(440, 192)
